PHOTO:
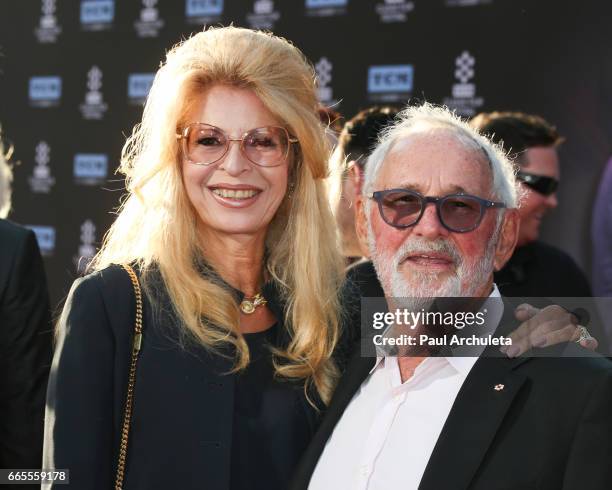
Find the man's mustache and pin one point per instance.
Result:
(419, 245)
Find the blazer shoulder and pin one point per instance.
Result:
(10, 229)
(112, 280)
(107, 292)
(13, 237)
(570, 365)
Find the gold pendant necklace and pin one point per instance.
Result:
(248, 305)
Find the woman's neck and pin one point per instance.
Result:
(238, 259)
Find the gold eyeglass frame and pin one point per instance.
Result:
(184, 135)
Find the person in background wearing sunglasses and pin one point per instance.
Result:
(535, 268)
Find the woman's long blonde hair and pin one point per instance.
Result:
(156, 225)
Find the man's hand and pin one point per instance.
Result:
(544, 327)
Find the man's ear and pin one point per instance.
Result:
(508, 238)
(361, 224)
(356, 173)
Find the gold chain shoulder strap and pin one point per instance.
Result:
(127, 414)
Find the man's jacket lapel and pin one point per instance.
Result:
(477, 413)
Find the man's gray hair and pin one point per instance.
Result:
(6, 177)
(427, 117)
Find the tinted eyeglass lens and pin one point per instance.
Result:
(266, 146)
(205, 144)
(401, 208)
(460, 212)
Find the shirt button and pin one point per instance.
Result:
(365, 470)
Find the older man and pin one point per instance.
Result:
(440, 217)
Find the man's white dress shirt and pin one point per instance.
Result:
(389, 429)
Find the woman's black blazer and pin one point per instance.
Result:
(182, 421)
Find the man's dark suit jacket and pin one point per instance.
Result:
(549, 428)
(25, 348)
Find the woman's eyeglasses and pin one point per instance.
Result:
(539, 183)
(459, 213)
(203, 144)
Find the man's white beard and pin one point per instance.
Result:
(466, 281)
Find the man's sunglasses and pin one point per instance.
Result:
(459, 213)
(539, 183)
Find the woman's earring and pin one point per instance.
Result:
(290, 190)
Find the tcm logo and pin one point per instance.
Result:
(95, 13)
(45, 236)
(90, 168)
(314, 4)
(139, 85)
(45, 91)
(390, 79)
(203, 8)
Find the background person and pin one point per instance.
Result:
(25, 339)
(357, 139)
(602, 247)
(535, 268)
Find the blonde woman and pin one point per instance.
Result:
(226, 204)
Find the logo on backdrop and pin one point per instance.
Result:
(464, 99)
(203, 11)
(48, 29)
(97, 15)
(45, 91)
(149, 24)
(263, 16)
(94, 106)
(325, 8)
(87, 250)
(139, 85)
(466, 3)
(390, 83)
(324, 69)
(41, 180)
(90, 168)
(394, 10)
(45, 236)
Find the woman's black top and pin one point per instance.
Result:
(195, 423)
(270, 430)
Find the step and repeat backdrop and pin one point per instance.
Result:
(74, 75)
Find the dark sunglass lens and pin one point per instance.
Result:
(460, 213)
(401, 208)
(545, 185)
(539, 183)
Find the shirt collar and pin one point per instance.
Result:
(464, 364)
